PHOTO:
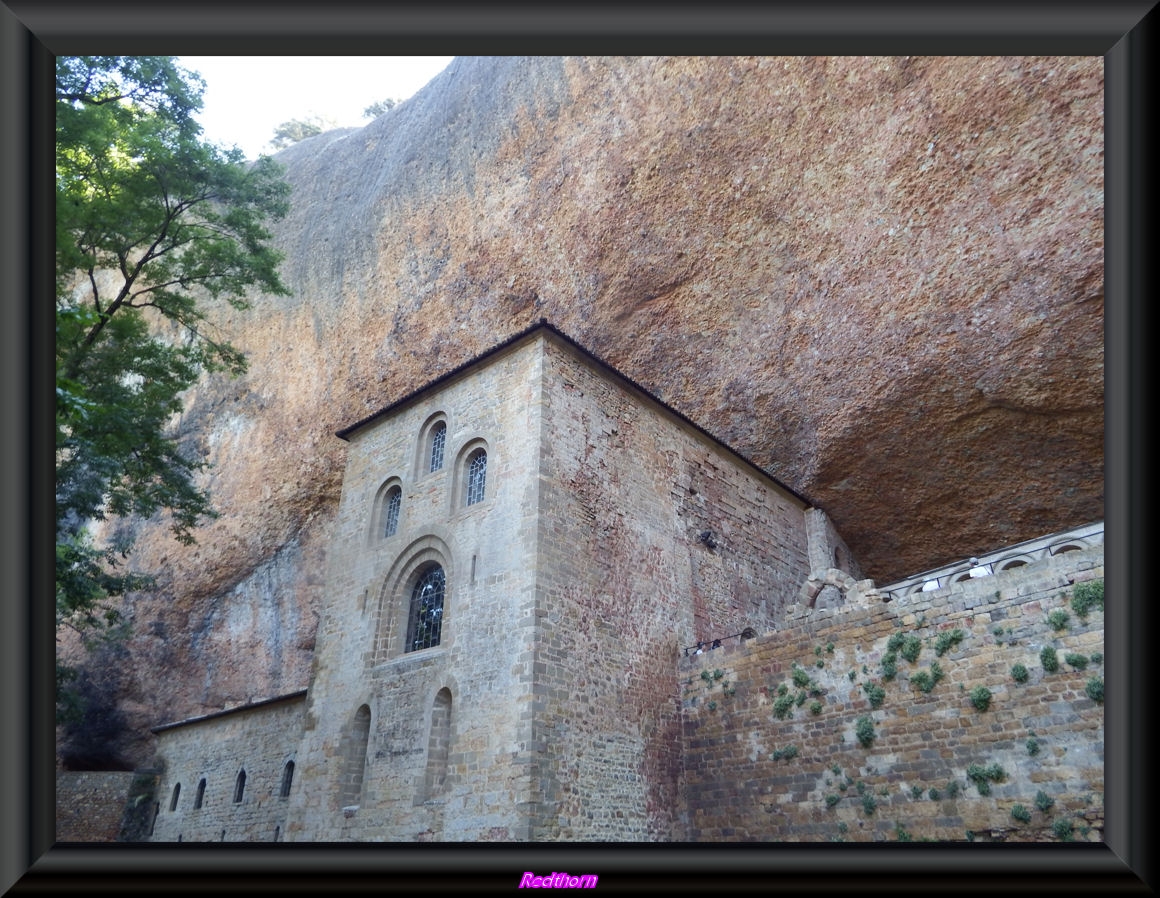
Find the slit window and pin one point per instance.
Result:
(240, 786)
(287, 778)
(199, 798)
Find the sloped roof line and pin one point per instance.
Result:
(544, 325)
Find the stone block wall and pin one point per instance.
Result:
(259, 740)
(771, 725)
(474, 684)
(624, 581)
(90, 805)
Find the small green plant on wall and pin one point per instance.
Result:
(911, 648)
(927, 680)
(788, 753)
(864, 730)
(1063, 829)
(1095, 690)
(1043, 801)
(889, 666)
(1019, 673)
(946, 640)
(1087, 596)
(983, 776)
(1058, 619)
(1076, 660)
(981, 698)
(1032, 746)
(869, 804)
(1021, 814)
(801, 679)
(875, 693)
(1049, 659)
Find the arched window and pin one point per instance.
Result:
(391, 512)
(173, 800)
(199, 799)
(287, 778)
(438, 743)
(426, 617)
(240, 786)
(355, 758)
(476, 476)
(438, 441)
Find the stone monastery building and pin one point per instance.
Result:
(527, 553)
(522, 550)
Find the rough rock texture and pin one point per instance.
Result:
(880, 279)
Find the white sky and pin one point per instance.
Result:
(247, 97)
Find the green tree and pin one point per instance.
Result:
(298, 129)
(377, 109)
(151, 222)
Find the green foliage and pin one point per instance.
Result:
(1021, 814)
(783, 707)
(934, 794)
(953, 788)
(1032, 746)
(869, 804)
(378, 108)
(707, 677)
(1097, 657)
(800, 698)
(852, 675)
(946, 640)
(819, 663)
(1019, 673)
(1049, 659)
(800, 678)
(150, 221)
(297, 129)
(875, 693)
(815, 707)
(1043, 801)
(1063, 829)
(911, 648)
(832, 800)
(830, 648)
(818, 650)
(1079, 662)
(916, 792)
(1094, 688)
(889, 666)
(901, 834)
(712, 706)
(864, 730)
(1087, 596)
(927, 680)
(782, 689)
(894, 643)
(718, 674)
(1058, 619)
(981, 698)
(789, 752)
(982, 776)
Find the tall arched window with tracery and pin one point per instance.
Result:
(425, 623)
(438, 442)
(476, 476)
(391, 512)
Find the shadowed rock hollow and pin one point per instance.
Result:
(880, 279)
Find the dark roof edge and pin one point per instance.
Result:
(544, 325)
(247, 707)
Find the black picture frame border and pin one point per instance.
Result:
(32, 33)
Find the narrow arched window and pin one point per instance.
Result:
(355, 758)
(438, 743)
(426, 619)
(173, 800)
(476, 476)
(287, 778)
(391, 515)
(438, 441)
(240, 786)
(199, 798)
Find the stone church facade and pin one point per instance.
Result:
(523, 551)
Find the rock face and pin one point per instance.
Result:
(881, 279)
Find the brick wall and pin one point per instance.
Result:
(750, 775)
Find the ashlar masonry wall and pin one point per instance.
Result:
(772, 726)
(258, 741)
(624, 581)
(430, 744)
